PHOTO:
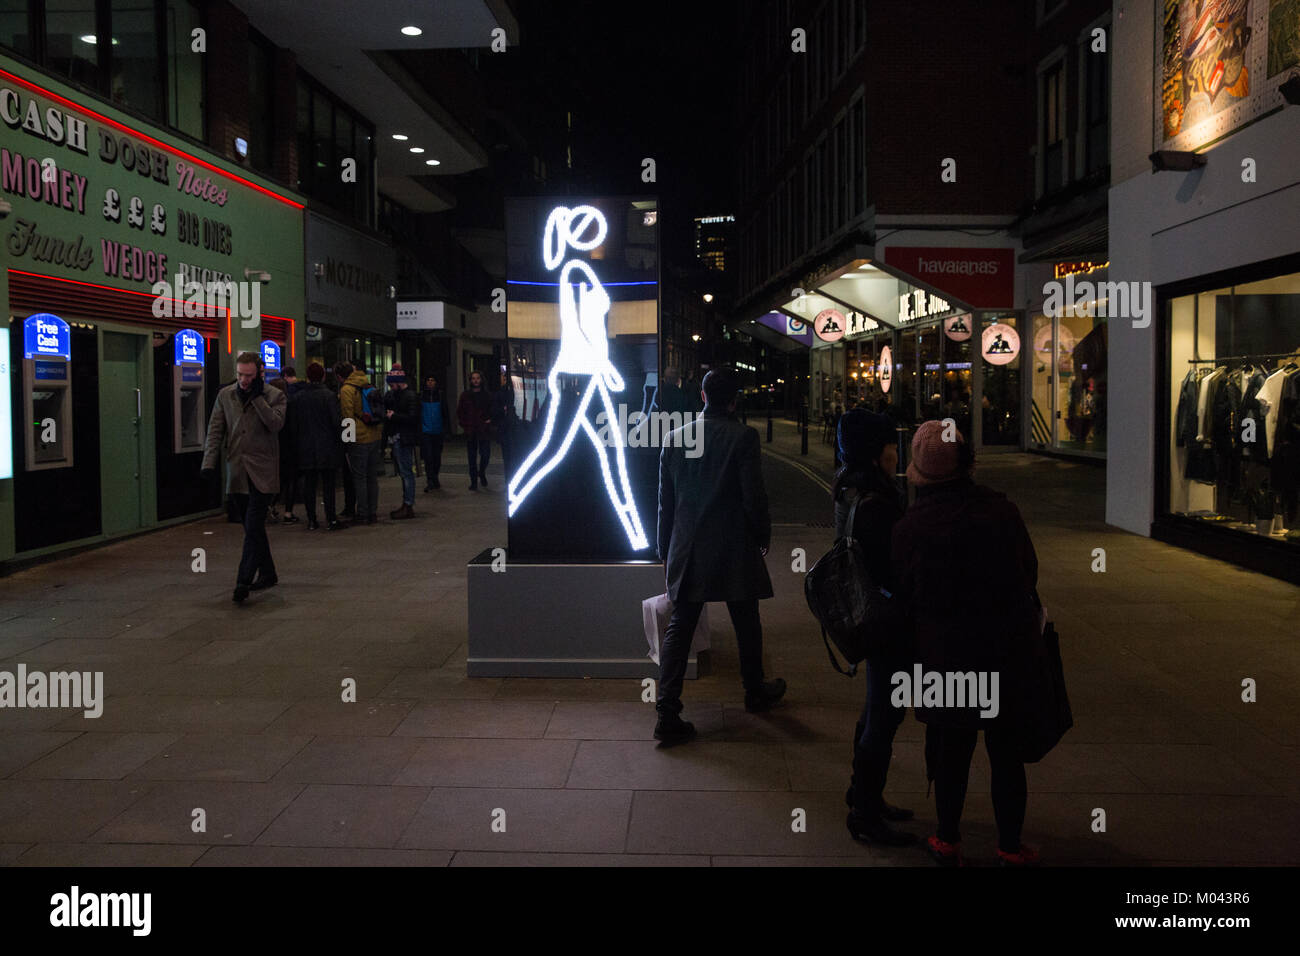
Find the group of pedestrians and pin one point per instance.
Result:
(954, 611)
(286, 438)
(957, 612)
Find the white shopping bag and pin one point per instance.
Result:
(655, 613)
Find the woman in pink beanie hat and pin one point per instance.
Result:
(965, 577)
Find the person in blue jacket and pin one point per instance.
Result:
(432, 419)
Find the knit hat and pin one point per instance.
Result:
(862, 436)
(396, 376)
(934, 460)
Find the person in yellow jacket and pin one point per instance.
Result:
(365, 450)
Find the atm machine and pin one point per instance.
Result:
(270, 360)
(47, 391)
(189, 394)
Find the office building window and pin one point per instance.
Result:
(1096, 133)
(72, 42)
(328, 133)
(184, 69)
(858, 165)
(261, 103)
(137, 82)
(1052, 121)
(16, 30)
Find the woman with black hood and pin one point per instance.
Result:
(868, 448)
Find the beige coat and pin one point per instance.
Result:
(248, 435)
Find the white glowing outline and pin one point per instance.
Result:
(584, 350)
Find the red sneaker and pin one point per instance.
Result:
(1025, 856)
(945, 854)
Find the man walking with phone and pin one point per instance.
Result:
(245, 424)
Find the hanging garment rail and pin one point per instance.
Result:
(1243, 358)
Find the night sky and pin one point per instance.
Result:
(659, 85)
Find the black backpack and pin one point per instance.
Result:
(854, 613)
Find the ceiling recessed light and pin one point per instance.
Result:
(433, 162)
(417, 149)
(412, 31)
(399, 136)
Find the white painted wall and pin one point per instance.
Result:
(1169, 226)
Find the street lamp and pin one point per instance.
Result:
(708, 297)
(695, 337)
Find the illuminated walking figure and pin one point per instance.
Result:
(584, 351)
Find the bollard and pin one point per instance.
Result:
(803, 428)
(769, 419)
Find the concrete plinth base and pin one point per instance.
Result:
(561, 620)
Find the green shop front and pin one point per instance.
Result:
(135, 268)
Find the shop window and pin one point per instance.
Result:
(136, 81)
(1234, 408)
(1002, 364)
(72, 42)
(931, 369)
(1068, 405)
(185, 109)
(16, 32)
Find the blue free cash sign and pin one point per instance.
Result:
(270, 355)
(46, 335)
(189, 347)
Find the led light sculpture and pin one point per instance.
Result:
(584, 351)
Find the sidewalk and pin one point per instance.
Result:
(237, 710)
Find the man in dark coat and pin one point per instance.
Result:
(404, 419)
(965, 577)
(246, 419)
(714, 531)
(474, 415)
(317, 443)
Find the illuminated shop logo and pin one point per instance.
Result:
(1001, 344)
(958, 328)
(584, 353)
(270, 355)
(920, 304)
(46, 335)
(189, 347)
(885, 371)
(829, 325)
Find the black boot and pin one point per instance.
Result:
(765, 697)
(672, 729)
(874, 830)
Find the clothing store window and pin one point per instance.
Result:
(1234, 408)
(1068, 405)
